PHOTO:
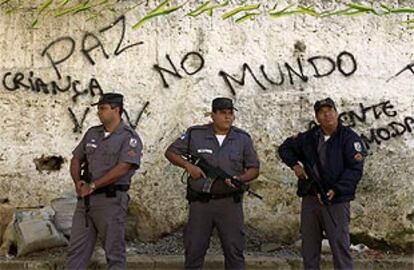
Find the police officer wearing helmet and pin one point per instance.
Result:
(222, 145)
(112, 152)
(328, 161)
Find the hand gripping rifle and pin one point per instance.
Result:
(213, 173)
(216, 173)
(315, 178)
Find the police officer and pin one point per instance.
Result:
(215, 204)
(112, 151)
(328, 161)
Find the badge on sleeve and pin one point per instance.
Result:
(358, 146)
(358, 157)
(132, 153)
(133, 142)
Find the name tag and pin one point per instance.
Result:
(201, 151)
(91, 145)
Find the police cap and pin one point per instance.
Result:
(110, 98)
(327, 102)
(222, 103)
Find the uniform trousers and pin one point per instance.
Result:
(315, 219)
(227, 216)
(106, 222)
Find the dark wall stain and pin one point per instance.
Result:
(48, 163)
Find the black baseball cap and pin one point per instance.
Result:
(110, 98)
(327, 102)
(222, 103)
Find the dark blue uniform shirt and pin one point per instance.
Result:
(343, 159)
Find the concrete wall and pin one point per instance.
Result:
(51, 75)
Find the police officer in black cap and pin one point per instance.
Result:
(328, 161)
(215, 203)
(112, 152)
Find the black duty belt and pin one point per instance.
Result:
(112, 189)
(220, 196)
(193, 195)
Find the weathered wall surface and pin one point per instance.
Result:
(51, 75)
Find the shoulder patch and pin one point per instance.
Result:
(358, 146)
(133, 142)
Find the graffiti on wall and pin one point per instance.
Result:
(79, 119)
(409, 67)
(53, 52)
(320, 66)
(58, 52)
(91, 47)
(174, 71)
(376, 115)
(393, 128)
(21, 81)
(282, 73)
(375, 112)
(345, 63)
(78, 122)
(90, 43)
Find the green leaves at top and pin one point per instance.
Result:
(75, 9)
(160, 10)
(62, 3)
(44, 6)
(238, 10)
(40, 10)
(299, 10)
(206, 8)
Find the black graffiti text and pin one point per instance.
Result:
(78, 124)
(90, 43)
(173, 71)
(16, 81)
(370, 114)
(79, 120)
(409, 67)
(320, 66)
(350, 118)
(134, 124)
(393, 129)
